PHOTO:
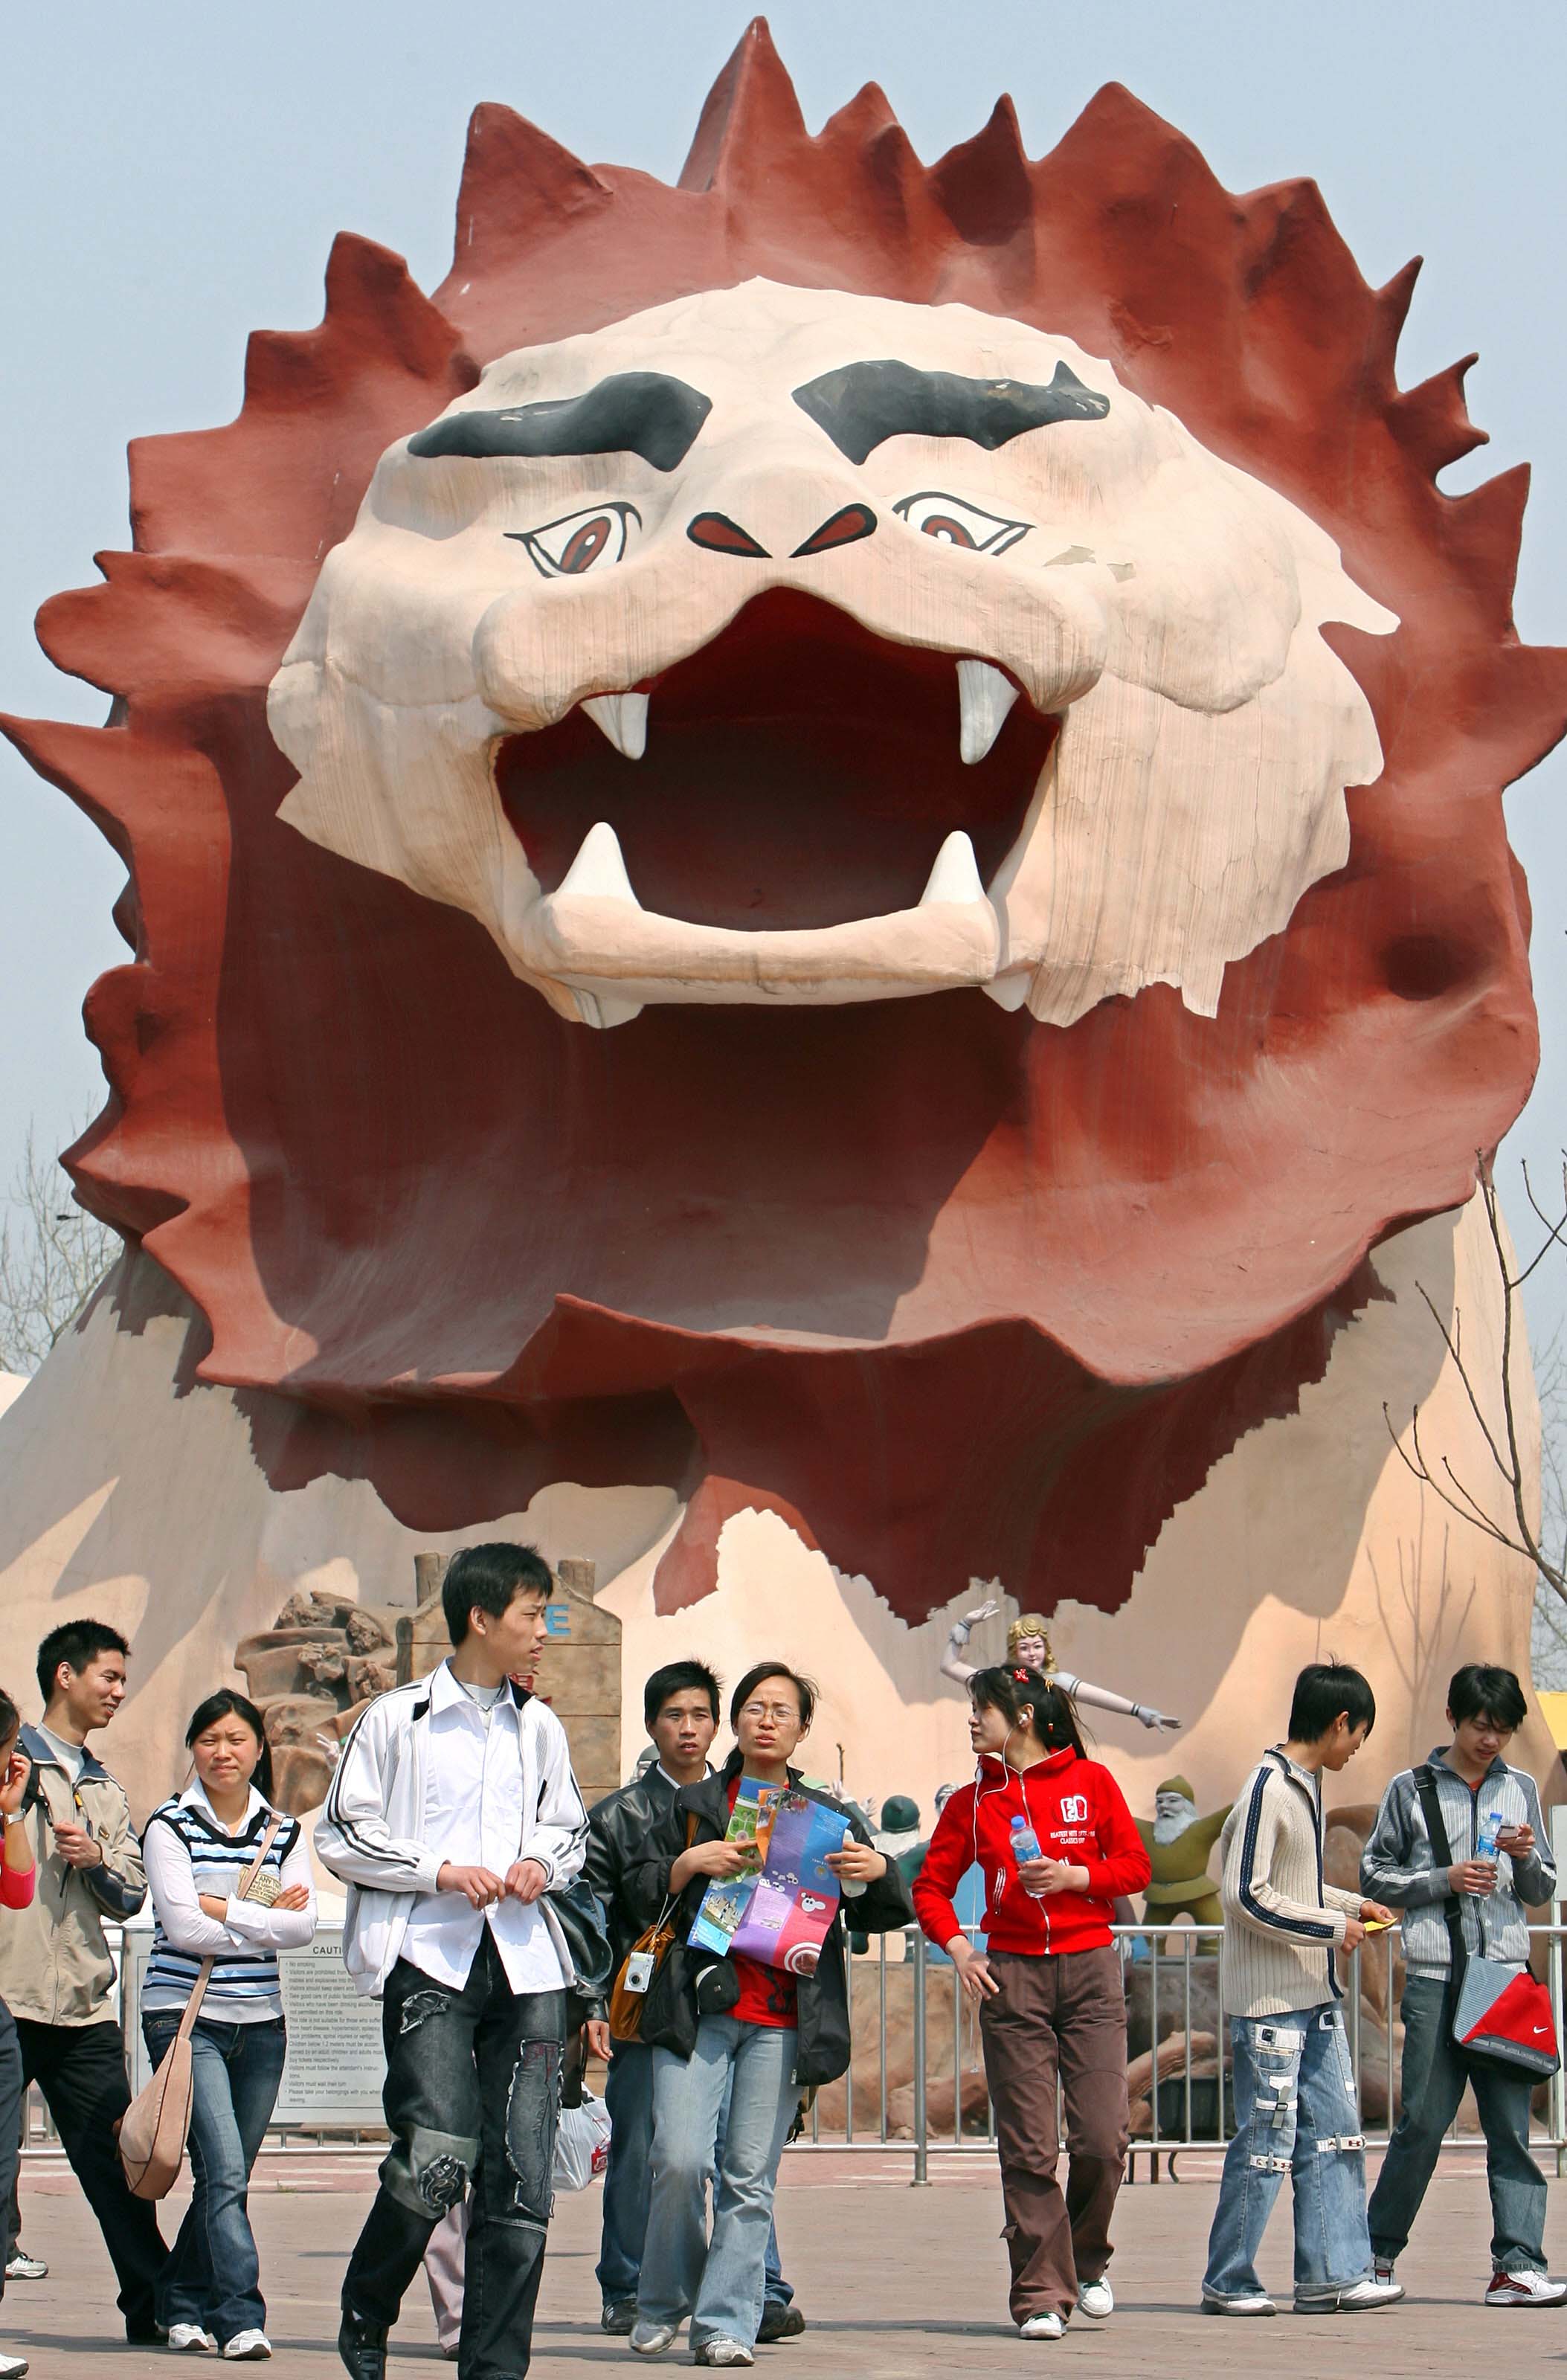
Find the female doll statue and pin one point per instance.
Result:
(1028, 1647)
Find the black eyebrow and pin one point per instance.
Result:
(860, 405)
(630, 413)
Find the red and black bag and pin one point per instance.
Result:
(1499, 2010)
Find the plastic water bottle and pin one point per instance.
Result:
(850, 1887)
(1025, 1843)
(1486, 1839)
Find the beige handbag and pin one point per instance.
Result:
(154, 2127)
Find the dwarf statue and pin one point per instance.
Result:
(1179, 1844)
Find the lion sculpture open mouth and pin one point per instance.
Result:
(781, 646)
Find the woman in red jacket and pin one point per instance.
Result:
(1049, 1989)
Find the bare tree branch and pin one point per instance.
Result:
(52, 1254)
(1546, 1548)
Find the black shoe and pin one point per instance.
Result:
(779, 2321)
(362, 2346)
(146, 2334)
(618, 2317)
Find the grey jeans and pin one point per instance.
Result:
(1435, 2070)
(472, 2094)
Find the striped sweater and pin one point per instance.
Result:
(188, 1853)
(1281, 1923)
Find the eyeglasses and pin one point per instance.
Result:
(784, 1711)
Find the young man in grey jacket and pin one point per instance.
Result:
(1473, 1784)
(56, 1972)
(1294, 2088)
(451, 1816)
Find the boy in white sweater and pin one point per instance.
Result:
(1294, 2086)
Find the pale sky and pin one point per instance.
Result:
(171, 176)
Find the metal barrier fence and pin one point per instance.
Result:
(1181, 2090)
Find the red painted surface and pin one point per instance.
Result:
(1044, 1278)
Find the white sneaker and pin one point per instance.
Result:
(190, 2338)
(653, 2338)
(12, 2367)
(1042, 2325)
(247, 2347)
(724, 2353)
(1259, 2302)
(23, 2267)
(1362, 2297)
(1528, 2288)
(1096, 2299)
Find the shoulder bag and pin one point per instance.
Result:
(154, 2127)
(1501, 2011)
(641, 1963)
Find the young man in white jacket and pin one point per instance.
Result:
(1296, 2109)
(452, 1813)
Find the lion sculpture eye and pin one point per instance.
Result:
(955, 523)
(582, 541)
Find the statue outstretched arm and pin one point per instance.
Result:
(953, 1666)
(1100, 1698)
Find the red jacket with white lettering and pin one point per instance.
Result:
(1078, 1810)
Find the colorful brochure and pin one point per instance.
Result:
(725, 1900)
(794, 1900)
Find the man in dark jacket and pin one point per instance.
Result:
(680, 1710)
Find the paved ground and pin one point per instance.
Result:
(893, 2282)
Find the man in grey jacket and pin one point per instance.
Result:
(56, 1972)
(1499, 1864)
(451, 1816)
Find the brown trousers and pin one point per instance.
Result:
(1066, 2017)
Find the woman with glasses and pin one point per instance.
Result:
(737, 2026)
(200, 1850)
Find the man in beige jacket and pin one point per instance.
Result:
(56, 1976)
(1294, 2087)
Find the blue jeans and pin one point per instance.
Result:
(1435, 2070)
(720, 2283)
(1295, 2111)
(628, 2180)
(212, 2277)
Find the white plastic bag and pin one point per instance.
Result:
(582, 2144)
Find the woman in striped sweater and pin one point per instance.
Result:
(198, 1849)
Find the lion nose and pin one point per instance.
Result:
(719, 534)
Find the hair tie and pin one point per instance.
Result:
(1021, 1676)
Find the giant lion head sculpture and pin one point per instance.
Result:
(964, 676)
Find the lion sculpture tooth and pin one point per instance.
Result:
(985, 697)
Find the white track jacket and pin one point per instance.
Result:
(370, 1831)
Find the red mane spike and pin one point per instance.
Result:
(983, 184)
(383, 358)
(1431, 421)
(1393, 302)
(516, 184)
(1487, 526)
(750, 118)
